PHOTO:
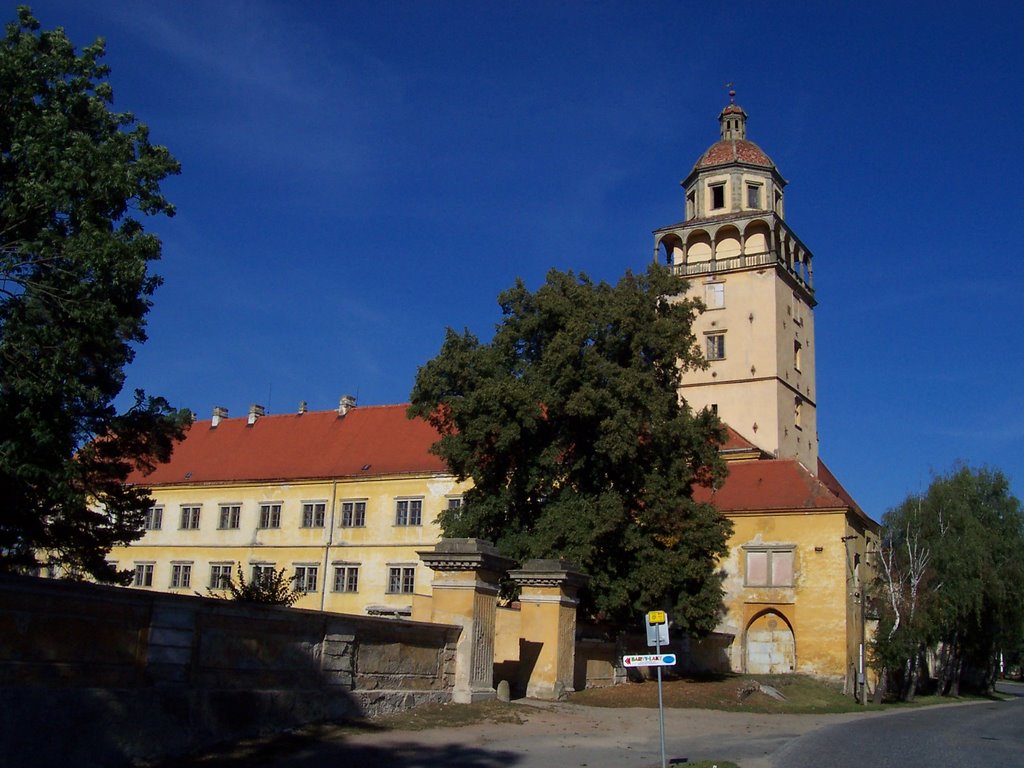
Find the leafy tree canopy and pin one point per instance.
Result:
(74, 292)
(270, 587)
(951, 578)
(570, 425)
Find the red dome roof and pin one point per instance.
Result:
(733, 151)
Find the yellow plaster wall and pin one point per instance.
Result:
(816, 606)
(375, 547)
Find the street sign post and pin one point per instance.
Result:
(656, 623)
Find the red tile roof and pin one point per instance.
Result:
(779, 485)
(770, 484)
(311, 445)
(733, 151)
(734, 441)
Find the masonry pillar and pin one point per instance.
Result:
(465, 593)
(547, 648)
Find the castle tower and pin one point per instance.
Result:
(755, 278)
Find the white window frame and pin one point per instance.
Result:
(409, 512)
(270, 515)
(401, 579)
(221, 575)
(190, 516)
(314, 514)
(353, 513)
(181, 575)
(231, 514)
(143, 574)
(346, 575)
(154, 517)
(306, 577)
(715, 345)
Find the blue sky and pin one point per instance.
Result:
(359, 176)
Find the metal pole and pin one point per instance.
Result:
(661, 705)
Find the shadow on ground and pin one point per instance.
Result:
(315, 750)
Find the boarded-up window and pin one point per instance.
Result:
(769, 567)
(757, 569)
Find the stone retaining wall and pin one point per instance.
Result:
(93, 675)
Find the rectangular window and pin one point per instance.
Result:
(754, 196)
(220, 575)
(797, 407)
(353, 514)
(181, 575)
(409, 512)
(716, 346)
(190, 518)
(154, 518)
(691, 205)
(270, 515)
(797, 348)
(714, 295)
(769, 567)
(717, 196)
(305, 578)
(401, 580)
(262, 572)
(230, 515)
(346, 578)
(313, 514)
(143, 575)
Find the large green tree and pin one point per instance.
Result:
(570, 425)
(75, 288)
(949, 579)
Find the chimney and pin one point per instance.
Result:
(255, 411)
(346, 404)
(302, 407)
(219, 412)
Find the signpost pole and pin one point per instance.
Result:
(661, 709)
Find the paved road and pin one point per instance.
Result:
(952, 737)
(550, 736)
(571, 736)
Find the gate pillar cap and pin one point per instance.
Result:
(465, 555)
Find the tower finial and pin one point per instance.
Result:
(732, 93)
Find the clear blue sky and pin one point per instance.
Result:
(358, 176)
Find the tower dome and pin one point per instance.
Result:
(733, 146)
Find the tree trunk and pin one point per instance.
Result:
(910, 679)
(883, 683)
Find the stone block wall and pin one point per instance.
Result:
(102, 676)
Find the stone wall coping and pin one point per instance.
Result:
(549, 573)
(466, 555)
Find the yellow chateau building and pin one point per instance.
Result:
(345, 499)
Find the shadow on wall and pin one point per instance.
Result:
(102, 676)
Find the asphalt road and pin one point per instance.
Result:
(981, 734)
(558, 735)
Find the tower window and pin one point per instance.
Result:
(714, 295)
(797, 348)
(716, 346)
(754, 196)
(797, 403)
(691, 205)
(717, 196)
